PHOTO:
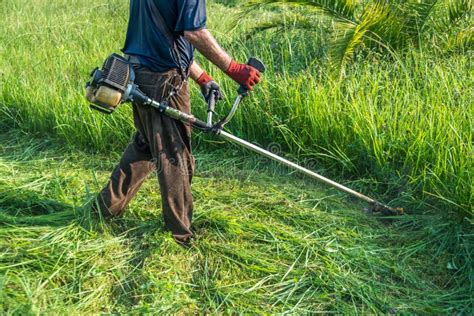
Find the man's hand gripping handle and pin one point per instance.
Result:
(242, 92)
(257, 64)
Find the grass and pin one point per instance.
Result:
(265, 242)
(398, 130)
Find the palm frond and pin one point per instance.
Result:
(355, 37)
(414, 15)
(342, 47)
(384, 25)
(285, 22)
(463, 40)
(342, 10)
(459, 9)
(385, 28)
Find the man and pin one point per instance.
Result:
(162, 67)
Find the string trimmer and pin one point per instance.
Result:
(114, 85)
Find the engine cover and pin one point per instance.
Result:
(110, 86)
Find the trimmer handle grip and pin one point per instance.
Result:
(211, 106)
(257, 64)
(212, 101)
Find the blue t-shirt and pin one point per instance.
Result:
(145, 40)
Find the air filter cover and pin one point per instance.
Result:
(116, 72)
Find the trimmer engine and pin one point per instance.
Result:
(112, 85)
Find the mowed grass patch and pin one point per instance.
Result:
(265, 243)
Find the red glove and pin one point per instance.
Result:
(243, 74)
(209, 86)
(203, 79)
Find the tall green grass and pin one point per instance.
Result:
(406, 125)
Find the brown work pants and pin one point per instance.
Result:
(162, 144)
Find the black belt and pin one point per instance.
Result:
(133, 59)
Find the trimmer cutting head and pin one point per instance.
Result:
(379, 208)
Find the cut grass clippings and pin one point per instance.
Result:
(265, 243)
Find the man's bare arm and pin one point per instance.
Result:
(195, 71)
(207, 45)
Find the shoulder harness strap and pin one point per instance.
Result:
(164, 29)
